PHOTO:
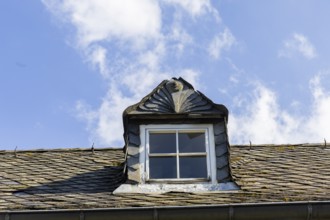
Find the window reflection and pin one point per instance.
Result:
(191, 142)
(162, 167)
(162, 142)
(193, 167)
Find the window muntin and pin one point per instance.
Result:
(177, 154)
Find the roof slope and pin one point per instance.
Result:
(75, 178)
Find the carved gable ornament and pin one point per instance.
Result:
(176, 96)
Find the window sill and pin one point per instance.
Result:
(157, 188)
(182, 181)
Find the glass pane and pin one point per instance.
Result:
(193, 167)
(162, 167)
(191, 142)
(162, 142)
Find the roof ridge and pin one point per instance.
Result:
(280, 145)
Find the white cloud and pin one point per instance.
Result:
(297, 43)
(132, 48)
(318, 124)
(105, 121)
(104, 20)
(98, 57)
(152, 58)
(141, 82)
(223, 41)
(130, 45)
(195, 7)
(263, 121)
(192, 76)
(235, 76)
(180, 38)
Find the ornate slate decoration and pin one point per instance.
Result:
(176, 97)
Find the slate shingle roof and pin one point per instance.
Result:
(76, 178)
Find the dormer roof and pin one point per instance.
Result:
(176, 97)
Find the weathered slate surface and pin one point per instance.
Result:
(79, 178)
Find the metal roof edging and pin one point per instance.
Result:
(308, 210)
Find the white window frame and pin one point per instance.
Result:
(210, 151)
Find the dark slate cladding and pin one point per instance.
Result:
(132, 152)
(222, 152)
(175, 102)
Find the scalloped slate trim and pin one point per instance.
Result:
(175, 96)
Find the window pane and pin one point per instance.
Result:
(162, 167)
(192, 142)
(162, 142)
(193, 167)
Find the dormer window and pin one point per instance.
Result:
(176, 140)
(177, 153)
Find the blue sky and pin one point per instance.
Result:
(69, 68)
